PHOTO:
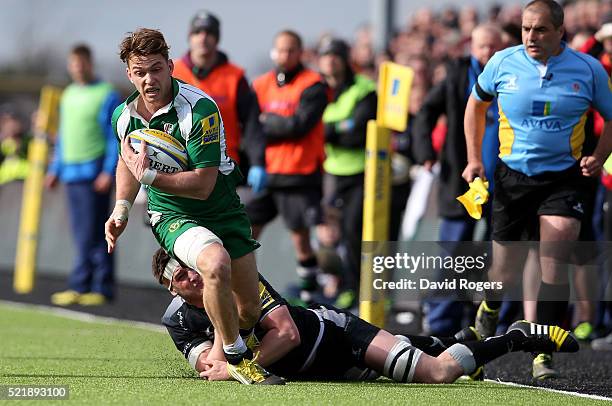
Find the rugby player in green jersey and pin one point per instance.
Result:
(195, 214)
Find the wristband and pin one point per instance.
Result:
(148, 177)
(121, 210)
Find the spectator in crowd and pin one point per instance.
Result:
(449, 98)
(13, 146)
(511, 35)
(401, 155)
(84, 161)
(345, 118)
(292, 99)
(585, 277)
(468, 20)
(209, 69)
(585, 274)
(604, 36)
(363, 58)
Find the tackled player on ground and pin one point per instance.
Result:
(323, 342)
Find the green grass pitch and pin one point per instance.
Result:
(117, 363)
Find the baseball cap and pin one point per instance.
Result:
(205, 21)
(604, 32)
(334, 46)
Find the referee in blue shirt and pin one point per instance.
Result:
(544, 91)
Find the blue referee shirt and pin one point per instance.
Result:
(543, 108)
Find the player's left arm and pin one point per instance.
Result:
(602, 101)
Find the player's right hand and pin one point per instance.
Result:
(473, 170)
(591, 166)
(113, 228)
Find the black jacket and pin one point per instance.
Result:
(447, 97)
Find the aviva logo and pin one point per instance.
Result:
(540, 108)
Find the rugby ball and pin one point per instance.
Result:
(165, 153)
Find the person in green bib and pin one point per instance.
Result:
(84, 161)
(196, 215)
(345, 120)
(14, 141)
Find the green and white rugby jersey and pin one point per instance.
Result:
(193, 119)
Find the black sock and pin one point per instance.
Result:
(493, 304)
(308, 262)
(494, 298)
(307, 271)
(552, 303)
(433, 346)
(494, 347)
(235, 359)
(246, 332)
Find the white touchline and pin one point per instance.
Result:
(563, 392)
(86, 317)
(91, 318)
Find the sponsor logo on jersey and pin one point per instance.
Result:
(542, 124)
(576, 87)
(168, 128)
(161, 167)
(540, 108)
(210, 129)
(181, 320)
(186, 348)
(154, 217)
(512, 85)
(174, 226)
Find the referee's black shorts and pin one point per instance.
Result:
(519, 200)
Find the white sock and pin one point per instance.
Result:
(237, 347)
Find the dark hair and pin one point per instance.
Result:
(335, 46)
(81, 50)
(556, 11)
(292, 34)
(514, 31)
(143, 42)
(160, 260)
